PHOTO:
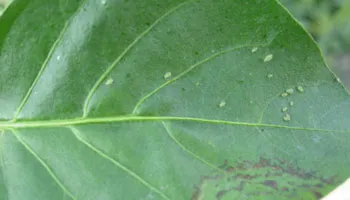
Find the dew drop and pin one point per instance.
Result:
(268, 58)
(167, 75)
(222, 103)
(254, 49)
(109, 81)
(300, 88)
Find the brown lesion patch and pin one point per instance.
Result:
(272, 180)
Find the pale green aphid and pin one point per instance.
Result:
(291, 103)
(284, 94)
(103, 2)
(269, 75)
(167, 75)
(254, 49)
(300, 88)
(268, 58)
(290, 91)
(222, 103)
(109, 81)
(286, 117)
(284, 109)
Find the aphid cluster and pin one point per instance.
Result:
(291, 91)
(109, 81)
(222, 103)
(254, 49)
(286, 117)
(268, 58)
(167, 75)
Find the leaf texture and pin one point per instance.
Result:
(173, 99)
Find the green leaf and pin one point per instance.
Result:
(171, 99)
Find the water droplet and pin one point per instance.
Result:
(270, 76)
(167, 75)
(109, 81)
(291, 103)
(222, 103)
(284, 94)
(300, 89)
(254, 49)
(268, 58)
(290, 91)
(284, 109)
(286, 118)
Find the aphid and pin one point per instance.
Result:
(300, 89)
(284, 109)
(286, 117)
(109, 81)
(254, 49)
(222, 103)
(291, 103)
(338, 80)
(284, 94)
(103, 2)
(167, 75)
(197, 83)
(269, 75)
(290, 91)
(268, 58)
(58, 57)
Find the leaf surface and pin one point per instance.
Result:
(166, 100)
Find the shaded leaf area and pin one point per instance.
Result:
(166, 100)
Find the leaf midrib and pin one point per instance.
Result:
(131, 118)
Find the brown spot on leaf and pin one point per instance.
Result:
(220, 194)
(239, 179)
(318, 195)
(271, 183)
